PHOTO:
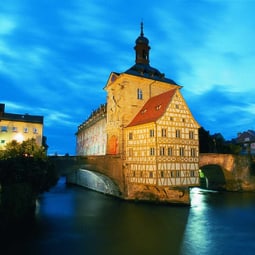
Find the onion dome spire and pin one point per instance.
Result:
(142, 48)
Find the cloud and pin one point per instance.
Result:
(7, 25)
(55, 58)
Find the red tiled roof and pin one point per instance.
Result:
(153, 109)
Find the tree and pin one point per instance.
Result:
(25, 172)
(216, 143)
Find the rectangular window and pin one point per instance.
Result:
(133, 173)
(162, 174)
(191, 134)
(130, 152)
(177, 133)
(14, 129)
(193, 152)
(178, 173)
(163, 132)
(181, 151)
(162, 151)
(170, 151)
(35, 131)
(4, 128)
(172, 174)
(192, 173)
(25, 130)
(130, 136)
(152, 151)
(151, 174)
(152, 133)
(2, 141)
(139, 94)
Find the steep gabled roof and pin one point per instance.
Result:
(153, 109)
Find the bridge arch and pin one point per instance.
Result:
(212, 176)
(224, 166)
(95, 181)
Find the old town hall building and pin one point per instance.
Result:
(147, 123)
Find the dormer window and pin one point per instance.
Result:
(158, 107)
(144, 111)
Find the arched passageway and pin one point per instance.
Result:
(212, 177)
(95, 181)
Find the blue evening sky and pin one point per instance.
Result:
(56, 57)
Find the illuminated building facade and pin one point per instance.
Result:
(91, 136)
(148, 124)
(19, 127)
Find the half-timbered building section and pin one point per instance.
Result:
(162, 143)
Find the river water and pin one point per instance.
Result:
(76, 221)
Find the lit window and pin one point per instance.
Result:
(4, 128)
(139, 94)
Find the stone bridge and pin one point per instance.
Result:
(226, 171)
(102, 173)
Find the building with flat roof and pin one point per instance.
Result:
(19, 127)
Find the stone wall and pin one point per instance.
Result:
(236, 169)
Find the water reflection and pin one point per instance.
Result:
(220, 223)
(98, 224)
(73, 220)
(197, 234)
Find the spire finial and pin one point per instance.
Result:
(142, 28)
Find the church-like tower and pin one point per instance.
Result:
(142, 49)
(127, 92)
